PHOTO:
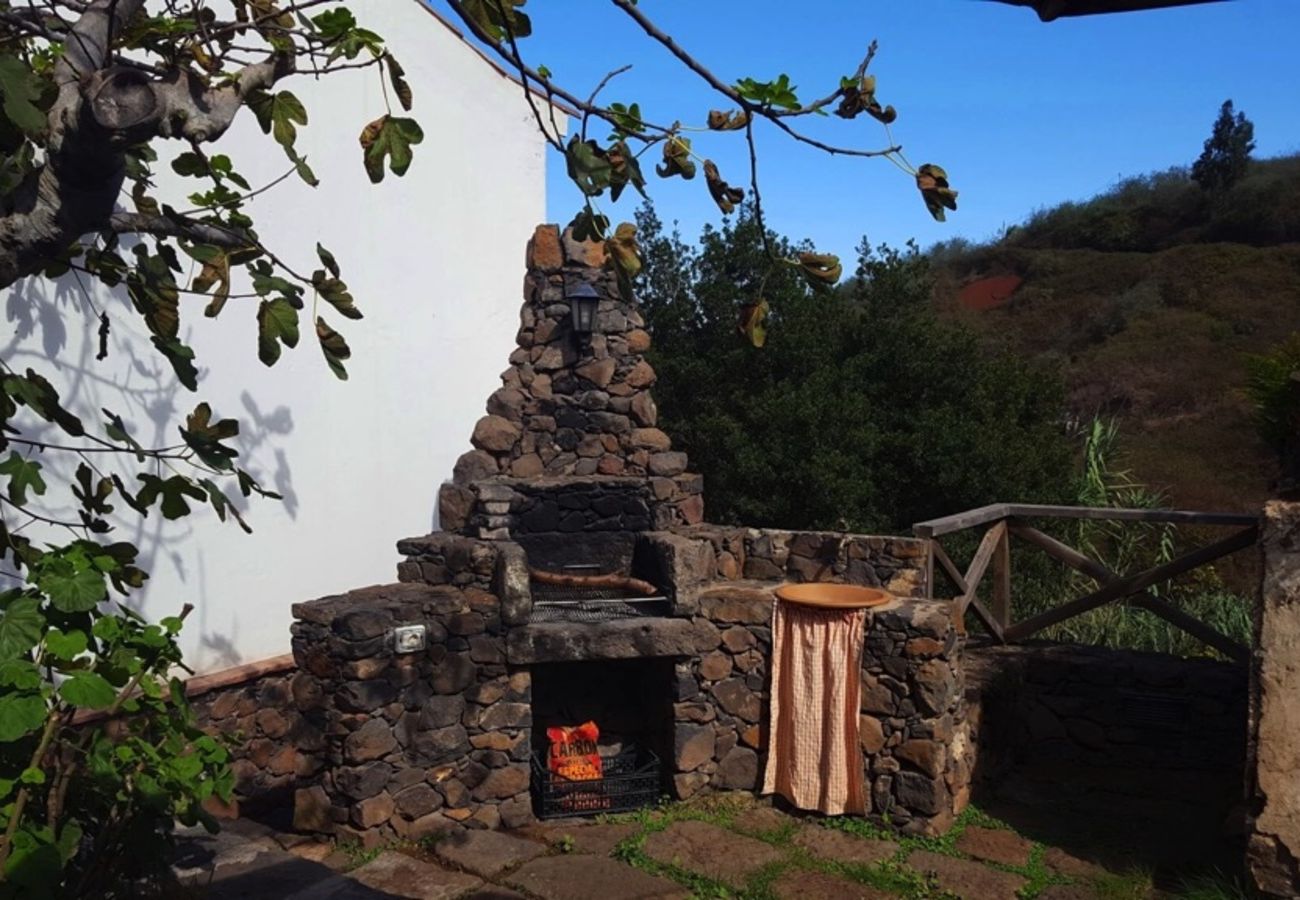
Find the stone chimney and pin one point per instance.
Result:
(573, 420)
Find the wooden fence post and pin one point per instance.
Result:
(1002, 580)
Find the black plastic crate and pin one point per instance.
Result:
(631, 781)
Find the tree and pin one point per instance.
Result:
(861, 410)
(1227, 151)
(90, 90)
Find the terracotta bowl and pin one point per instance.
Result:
(833, 596)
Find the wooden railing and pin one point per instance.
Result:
(1007, 520)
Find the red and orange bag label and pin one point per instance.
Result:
(573, 754)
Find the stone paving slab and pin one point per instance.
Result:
(804, 885)
(995, 845)
(399, 875)
(243, 862)
(1069, 892)
(315, 851)
(582, 877)
(338, 887)
(762, 820)
(836, 846)
(710, 851)
(1071, 866)
(595, 840)
(485, 853)
(968, 880)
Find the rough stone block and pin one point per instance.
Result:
(619, 639)
(693, 746)
(544, 251)
(837, 846)
(584, 877)
(737, 603)
(312, 810)
(710, 851)
(371, 741)
(486, 853)
(966, 879)
(995, 845)
(738, 770)
(373, 811)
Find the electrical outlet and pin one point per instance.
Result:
(408, 638)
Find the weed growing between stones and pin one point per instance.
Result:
(1215, 886)
(357, 855)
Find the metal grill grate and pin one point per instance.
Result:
(554, 603)
(554, 593)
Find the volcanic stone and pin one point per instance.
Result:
(995, 845)
(710, 851)
(311, 810)
(799, 884)
(871, 734)
(363, 781)
(373, 811)
(715, 666)
(642, 375)
(495, 433)
(505, 715)
(453, 674)
(583, 877)
(394, 874)
(595, 840)
(418, 801)
(966, 879)
(693, 746)
(443, 743)
(920, 792)
(502, 783)
(668, 464)
(738, 770)
(836, 846)
(486, 853)
(737, 699)
(738, 640)
(474, 465)
(927, 756)
(371, 741)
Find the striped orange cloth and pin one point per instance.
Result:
(814, 759)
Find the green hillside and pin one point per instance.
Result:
(1147, 297)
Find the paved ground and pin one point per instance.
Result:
(733, 848)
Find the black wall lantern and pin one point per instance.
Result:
(583, 301)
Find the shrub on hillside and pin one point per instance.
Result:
(1273, 384)
(862, 410)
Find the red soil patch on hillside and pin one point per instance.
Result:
(988, 293)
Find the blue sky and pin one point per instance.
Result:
(1021, 114)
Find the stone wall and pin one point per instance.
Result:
(1154, 739)
(912, 725)
(1273, 852)
(768, 554)
(569, 406)
(274, 749)
(414, 742)
(1107, 708)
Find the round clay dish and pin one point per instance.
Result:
(832, 596)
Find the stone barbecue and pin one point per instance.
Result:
(570, 472)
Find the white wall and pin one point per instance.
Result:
(436, 262)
